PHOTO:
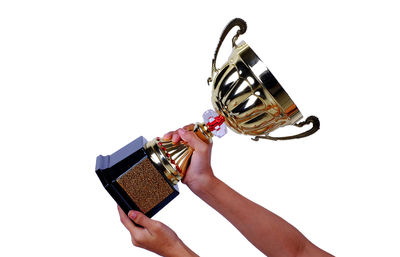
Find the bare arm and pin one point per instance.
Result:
(268, 232)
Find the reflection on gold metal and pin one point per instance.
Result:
(248, 96)
(173, 158)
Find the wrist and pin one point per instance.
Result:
(179, 250)
(204, 184)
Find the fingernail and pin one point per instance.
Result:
(132, 214)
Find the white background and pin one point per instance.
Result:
(82, 78)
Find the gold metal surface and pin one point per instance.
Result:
(241, 96)
(247, 94)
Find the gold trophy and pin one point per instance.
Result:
(246, 97)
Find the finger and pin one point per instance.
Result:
(194, 141)
(189, 127)
(141, 219)
(168, 135)
(175, 138)
(127, 221)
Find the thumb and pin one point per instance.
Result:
(140, 218)
(192, 139)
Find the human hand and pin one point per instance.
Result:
(154, 236)
(199, 173)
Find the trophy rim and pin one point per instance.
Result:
(259, 70)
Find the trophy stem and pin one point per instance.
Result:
(172, 158)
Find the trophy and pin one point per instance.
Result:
(246, 98)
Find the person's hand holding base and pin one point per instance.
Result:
(154, 236)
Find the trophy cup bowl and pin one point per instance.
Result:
(249, 97)
(246, 97)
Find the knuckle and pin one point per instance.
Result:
(168, 134)
(136, 240)
(157, 226)
(135, 243)
(139, 240)
(189, 126)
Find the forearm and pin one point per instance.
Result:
(269, 233)
(265, 230)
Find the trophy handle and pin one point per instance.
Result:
(311, 119)
(242, 29)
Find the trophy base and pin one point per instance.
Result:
(134, 181)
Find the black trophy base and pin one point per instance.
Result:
(133, 181)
